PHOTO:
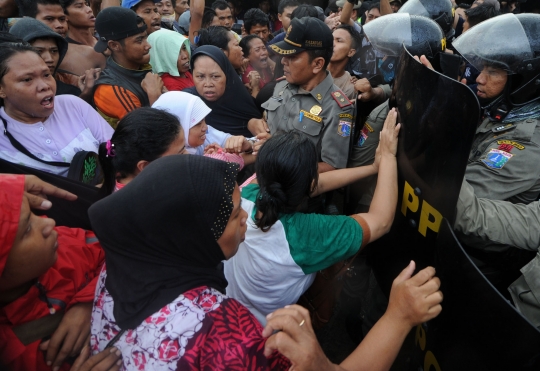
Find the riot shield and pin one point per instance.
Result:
(439, 118)
(72, 214)
(477, 329)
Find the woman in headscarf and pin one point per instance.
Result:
(220, 88)
(169, 58)
(192, 113)
(160, 300)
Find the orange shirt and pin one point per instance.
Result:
(114, 102)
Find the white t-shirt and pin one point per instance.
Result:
(274, 268)
(74, 126)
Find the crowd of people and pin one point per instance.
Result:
(220, 137)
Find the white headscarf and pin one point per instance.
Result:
(188, 108)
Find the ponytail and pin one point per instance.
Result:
(287, 174)
(109, 174)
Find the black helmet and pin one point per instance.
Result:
(512, 43)
(441, 11)
(420, 35)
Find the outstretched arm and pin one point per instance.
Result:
(383, 206)
(413, 300)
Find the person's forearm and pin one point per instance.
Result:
(342, 177)
(379, 348)
(324, 167)
(109, 3)
(153, 97)
(385, 7)
(383, 205)
(346, 13)
(378, 95)
(196, 11)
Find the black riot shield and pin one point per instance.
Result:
(72, 214)
(477, 329)
(439, 118)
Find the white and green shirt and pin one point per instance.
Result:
(273, 269)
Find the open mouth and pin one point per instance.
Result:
(48, 102)
(156, 25)
(209, 94)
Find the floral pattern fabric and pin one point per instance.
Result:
(202, 329)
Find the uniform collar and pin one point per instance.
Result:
(320, 90)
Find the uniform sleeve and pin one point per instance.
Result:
(485, 223)
(317, 241)
(336, 137)
(387, 90)
(364, 148)
(499, 173)
(114, 101)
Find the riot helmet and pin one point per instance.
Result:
(441, 11)
(420, 35)
(512, 43)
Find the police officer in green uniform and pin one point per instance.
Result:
(387, 34)
(504, 159)
(504, 163)
(307, 99)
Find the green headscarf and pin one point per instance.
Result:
(165, 50)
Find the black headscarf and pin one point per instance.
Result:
(159, 233)
(232, 112)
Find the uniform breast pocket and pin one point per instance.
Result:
(309, 126)
(271, 105)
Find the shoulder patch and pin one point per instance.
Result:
(341, 99)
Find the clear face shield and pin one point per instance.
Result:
(387, 34)
(482, 49)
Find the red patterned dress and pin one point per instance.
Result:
(202, 329)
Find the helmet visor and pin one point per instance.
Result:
(498, 42)
(414, 7)
(387, 34)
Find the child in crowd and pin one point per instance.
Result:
(169, 58)
(47, 282)
(203, 139)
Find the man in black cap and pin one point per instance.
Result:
(307, 100)
(127, 82)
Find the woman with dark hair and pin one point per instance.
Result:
(260, 69)
(220, 88)
(161, 297)
(42, 131)
(284, 247)
(142, 136)
(222, 38)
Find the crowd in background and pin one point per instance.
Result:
(221, 135)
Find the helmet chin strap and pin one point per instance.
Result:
(499, 108)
